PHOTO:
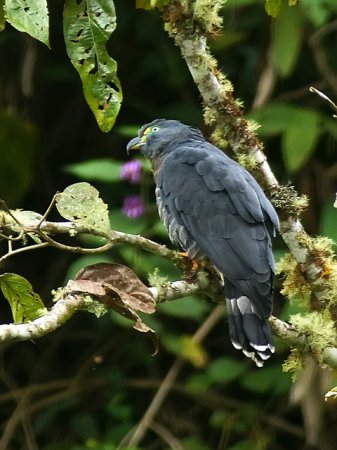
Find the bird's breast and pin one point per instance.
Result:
(177, 232)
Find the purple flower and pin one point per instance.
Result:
(133, 206)
(131, 171)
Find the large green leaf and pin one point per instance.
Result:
(319, 11)
(190, 307)
(273, 118)
(120, 222)
(106, 170)
(287, 33)
(26, 304)
(30, 16)
(225, 369)
(87, 27)
(299, 140)
(267, 379)
(80, 203)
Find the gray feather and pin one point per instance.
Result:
(212, 207)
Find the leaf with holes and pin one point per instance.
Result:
(26, 305)
(87, 27)
(119, 288)
(30, 16)
(80, 203)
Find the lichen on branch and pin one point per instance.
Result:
(311, 272)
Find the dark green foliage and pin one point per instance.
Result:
(87, 385)
(16, 169)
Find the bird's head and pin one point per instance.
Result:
(160, 136)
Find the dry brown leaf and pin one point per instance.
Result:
(119, 288)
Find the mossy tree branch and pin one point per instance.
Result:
(68, 303)
(17, 226)
(189, 23)
(223, 111)
(21, 226)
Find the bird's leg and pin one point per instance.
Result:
(202, 269)
(194, 265)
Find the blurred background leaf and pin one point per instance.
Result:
(88, 384)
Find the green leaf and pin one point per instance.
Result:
(186, 347)
(274, 118)
(26, 304)
(299, 140)
(198, 383)
(87, 27)
(287, 34)
(319, 12)
(185, 308)
(128, 131)
(81, 203)
(193, 443)
(273, 7)
(266, 379)
(30, 16)
(224, 370)
(105, 170)
(83, 261)
(144, 263)
(121, 222)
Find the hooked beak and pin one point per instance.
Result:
(135, 144)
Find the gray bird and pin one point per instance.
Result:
(214, 208)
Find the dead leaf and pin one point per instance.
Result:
(120, 282)
(119, 288)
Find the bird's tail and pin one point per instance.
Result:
(249, 331)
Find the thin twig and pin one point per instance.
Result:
(46, 214)
(169, 380)
(215, 401)
(32, 408)
(75, 249)
(11, 238)
(45, 229)
(23, 249)
(324, 97)
(166, 436)
(320, 54)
